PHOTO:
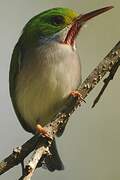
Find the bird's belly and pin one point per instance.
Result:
(42, 90)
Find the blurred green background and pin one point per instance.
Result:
(90, 146)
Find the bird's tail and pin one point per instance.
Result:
(53, 162)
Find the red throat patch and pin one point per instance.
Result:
(72, 33)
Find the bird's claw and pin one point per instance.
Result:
(76, 94)
(41, 130)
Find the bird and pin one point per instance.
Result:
(45, 69)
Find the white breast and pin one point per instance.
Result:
(48, 76)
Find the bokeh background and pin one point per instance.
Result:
(90, 146)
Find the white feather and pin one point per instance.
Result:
(48, 76)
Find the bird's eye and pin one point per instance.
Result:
(57, 20)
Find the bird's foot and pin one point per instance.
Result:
(76, 94)
(41, 130)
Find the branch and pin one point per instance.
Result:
(18, 154)
(41, 150)
(60, 120)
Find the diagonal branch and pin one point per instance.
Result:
(60, 120)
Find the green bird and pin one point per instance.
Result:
(45, 68)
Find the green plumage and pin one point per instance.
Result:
(15, 67)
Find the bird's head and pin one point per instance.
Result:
(61, 23)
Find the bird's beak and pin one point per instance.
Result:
(80, 20)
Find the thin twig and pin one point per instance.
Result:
(22, 166)
(106, 82)
(62, 118)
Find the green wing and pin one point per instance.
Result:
(15, 67)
